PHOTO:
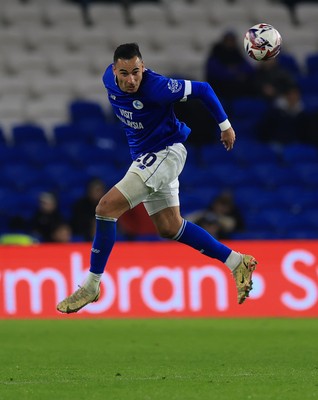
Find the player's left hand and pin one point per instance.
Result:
(228, 138)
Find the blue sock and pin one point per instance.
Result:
(103, 243)
(198, 238)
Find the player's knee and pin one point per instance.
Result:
(101, 208)
(104, 208)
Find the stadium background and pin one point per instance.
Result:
(57, 130)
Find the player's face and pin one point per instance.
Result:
(129, 74)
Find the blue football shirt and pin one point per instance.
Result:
(147, 115)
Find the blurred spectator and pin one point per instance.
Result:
(46, 217)
(62, 233)
(270, 79)
(287, 120)
(227, 69)
(221, 218)
(83, 213)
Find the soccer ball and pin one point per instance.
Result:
(262, 42)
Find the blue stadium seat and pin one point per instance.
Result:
(271, 175)
(289, 62)
(246, 114)
(70, 134)
(9, 204)
(10, 154)
(20, 175)
(310, 101)
(301, 234)
(230, 175)
(310, 217)
(308, 84)
(109, 173)
(197, 199)
(214, 154)
(41, 154)
(28, 133)
(296, 196)
(63, 176)
(251, 151)
(306, 173)
(278, 219)
(252, 197)
(249, 107)
(81, 110)
(257, 234)
(193, 176)
(299, 152)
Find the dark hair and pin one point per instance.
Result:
(127, 51)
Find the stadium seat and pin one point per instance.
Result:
(229, 175)
(238, 17)
(69, 134)
(307, 233)
(52, 107)
(289, 62)
(148, 15)
(41, 154)
(310, 102)
(22, 15)
(310, 218)
(63, 15)
(247, 152)
(261, 196)
(245, 114)
(299, 42)
(296, 197)
(26, 63)
(307, 13)
(277, 218)
(19, 175)
(276, 14)
(28, 133)
(108, 16)
(186, 14)
(271, 175)
(308, 84)
(63, 175)
(306, 173)
(298, 152)
(213, 154)
(70, 64)
(109, 173)
(256, 234)
(81, 110)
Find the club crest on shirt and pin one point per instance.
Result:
(174, 85)
(138, 104)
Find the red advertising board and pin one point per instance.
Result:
(160, 279)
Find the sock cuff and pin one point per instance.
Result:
(101, 218)
(181, 230)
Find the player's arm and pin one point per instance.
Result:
(204, 92)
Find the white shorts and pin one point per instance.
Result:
(153, 179)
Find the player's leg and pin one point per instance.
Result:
(170, 224)
(129, 192)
